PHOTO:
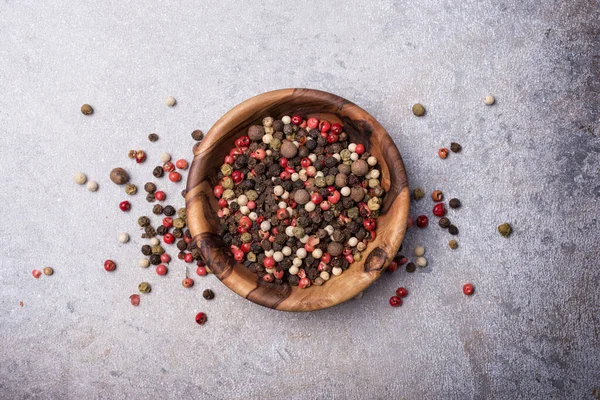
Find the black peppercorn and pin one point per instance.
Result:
(150, 187)
(181, 245)
(150, 198)
(178, 233)
(444, 222)
(197, 135)
(157, 209)
(162, 230)
(143, 221)
(150, 232)
(153, 137)
(155, 259)
(455, 147)
(169, 211)
(454, 203)
(208, 294)
(183, 193)
(453, 230)
(158, 172)
(411, 267)
(146, 250)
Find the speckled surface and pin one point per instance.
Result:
(531, 330)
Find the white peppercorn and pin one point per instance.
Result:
(324, 275)
(419, 251)
(336, 271)
(170, 101)
(92, 186)
(286, 120)
(123, 237)
(421, 262)
(144, 263)
(489, 100)
(372, 161)
(154, 242)
(80, 178)
(165, 157)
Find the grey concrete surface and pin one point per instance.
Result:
(531, 330)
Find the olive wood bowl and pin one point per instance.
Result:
(202, 205)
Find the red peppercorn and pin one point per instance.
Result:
(169, 166)
(269, 262)
(296, 120)
(235, 152)
(324, 135)
(237, 176)
(228, 160)
(401, 292)
(245, 247)
(160, 195)
(422, 221)
(201, 270)
(326, 258)
(283, 162)
(243, 141)
(110, 265)
(439, 210)
(238, 255)
(360, 149)
(161, 269)
(201, 318)
(349, 258)
(187, 239)
(336, 128)
(140, 156)
(37, 273)
(370, 224)
(306, 162)
(282, 213)
(125, 206)
(285, 175)
(223, 203)
(165, 258)
(325, 205)
(392, 267)
(324, 126)
(278, 274)
(187, 282)
(468, 289)
(245, 222)
(167, 222)
(312, 122)
(174, 176)
(268, 278)
(218, 191)
(301, 273)
(304, 283)
(443, 153)
(188, 258)
(316, 198)
(332, 138)
(169, 238)
(334, 197)
(395, 301)
(135, 300)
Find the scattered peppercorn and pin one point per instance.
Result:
(411, 267)
(208, 294)
(201, 318)
(144, 287)
(453, 244)
(187, 282)
(36, 273)
(158, 172)
(197, 135)
(418, 110)
(444, 223)
(130, 189)
(143, 221)
(170, 101)
(454, 203)
(443, 153)
(455, 147)
(395, 301)
(110, 265)
(401, 292)
(453, 230)
(86, 109)
(48, 271)
(135, 300)
(92, 186)
(80, 178)
(468, 289)
(489, 100)
(418, 194)
(505, 229)
(119, 176)
(422, 221)
(153, 137)
(437, 195)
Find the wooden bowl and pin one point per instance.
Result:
(202, 205)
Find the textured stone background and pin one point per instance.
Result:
(531, 330)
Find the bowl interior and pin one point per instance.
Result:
(202, 205)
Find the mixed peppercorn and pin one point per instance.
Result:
(298, 201)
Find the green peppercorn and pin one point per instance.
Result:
(418, 110)
(453, 244)
(86, 109)
(182, 212)
(345, 154)
(246, 237)
(320, 181)
(226, 169)
(179, 223)
(143, 221)
(158, 249)
(374, 204)
(418, 194)
(227, 183)
(208, 294)
(228, 194)
(454, 203)
(505, 229)
(444, 222)
(453, 230)
(144, 287)
(455, 147)
(130, 189)
(251, 257)
(275, 144)
(330, 180)
(352, 213)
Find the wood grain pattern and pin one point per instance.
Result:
(202, 205)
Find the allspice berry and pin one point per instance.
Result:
(288, 149)
(256, 132)
(197, 135)
(119, 176)
(335, 249)
(505, 229)
(359, 168)
(301, 197)
(86, 109)
(418, 110)
(357, 193)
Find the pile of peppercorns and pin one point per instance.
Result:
(298, 201)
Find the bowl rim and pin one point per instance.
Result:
(239, 278)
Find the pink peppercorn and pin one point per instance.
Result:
(135, 300)
(401, 292)
(161, 269)
(296, 120)
(268, 278)
(439, 210)
(395, 301)
(304, 283)
(201, 270)
(324, 126)
(36, 273)
(125, 206)
(201, 318)
(312, 123)
(336, 128)
(360, 149)
(218, 191)
(165, 258)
